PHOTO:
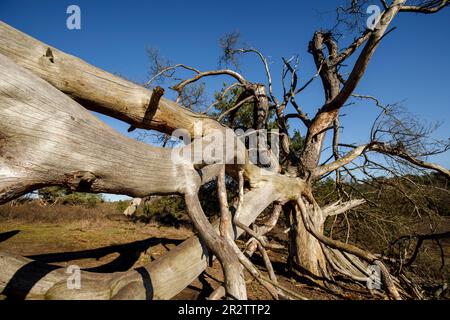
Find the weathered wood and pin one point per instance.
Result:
(344, 247)
(49, 139)
(68, 146)
(37, 151)
(233, 270)
(131, 209)
(96, 89)
(100, 91)
(160, 279)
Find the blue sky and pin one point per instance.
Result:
(411, 65)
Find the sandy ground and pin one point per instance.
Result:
(108, 245)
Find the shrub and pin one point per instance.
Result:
(88, 200)
(53, 195)
(168, 210)
(121, 205)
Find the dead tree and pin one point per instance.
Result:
(47, 138)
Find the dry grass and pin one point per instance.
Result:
(107, 237)
(32, 212)
(30, 229)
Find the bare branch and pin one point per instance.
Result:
(432, 6)
(349, 157)
(239, 104)
(365, 56)
(266, 68)
(310, 80)
(222, 95)
(352, 48)
(385, 5)
(200, 75)
(382, 148)
(398, 152)
(339, 207)
(167, 69)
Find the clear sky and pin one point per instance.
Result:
(411, 65)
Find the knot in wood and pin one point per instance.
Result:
(81, 181)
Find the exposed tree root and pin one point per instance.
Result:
(362, 254)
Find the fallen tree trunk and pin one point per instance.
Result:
(48, 139)
(64, 146)
(96, 89)
(103, 92)
(161, 279)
